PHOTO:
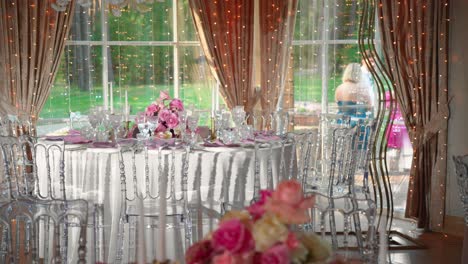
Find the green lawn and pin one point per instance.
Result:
(59, 104)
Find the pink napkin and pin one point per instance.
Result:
(75, 139)
(73, 132)
(218, 143)
(103, 145)
(156, 143)
(267, 137)
(54, 138)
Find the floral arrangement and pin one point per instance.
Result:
(167, 110)
(262, 233)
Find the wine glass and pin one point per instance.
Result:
(153, 122)
(192, 123)
(115, 122)
(182, 123)
(142, 126)
(238, 116)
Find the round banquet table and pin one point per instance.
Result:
(93, 174)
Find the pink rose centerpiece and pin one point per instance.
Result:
(167, 110)
(262, 233)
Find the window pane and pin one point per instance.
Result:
(196, 82)
(344, 19)
(186, 28)
(77, 85)
(307, 78)
(86, 23)
(309, 20)
(154, 25)
(141, 70)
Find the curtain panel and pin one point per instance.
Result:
(32, 38)
(226, 33)
(277, 20)
(414, 36)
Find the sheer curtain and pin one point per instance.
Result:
(226, 33)
(277, 20)
(32, 37)
(415, 41)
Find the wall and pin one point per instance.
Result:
(458, 90)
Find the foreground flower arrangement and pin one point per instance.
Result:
(262, 233)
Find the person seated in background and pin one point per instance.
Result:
(352, 96)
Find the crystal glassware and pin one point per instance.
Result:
(153, 122)
(192, 124)
(143, 127)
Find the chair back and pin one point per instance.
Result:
(145, 180)
(57, 227)
(16, 169)
(346, 222)
(461, 169)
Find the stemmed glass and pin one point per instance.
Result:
(192, 123)
(115, 122)
(153, 122)
(142, 126)
(238, 116)
(182, 126)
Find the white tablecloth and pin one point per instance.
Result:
(93, 174)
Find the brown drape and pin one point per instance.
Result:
(225, 30)
(277, 20)
(414, 43)
(32, 38)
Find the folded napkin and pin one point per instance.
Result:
(218, 143)
(63, 135)
(157, 143)
(54, 138)
(75, 139)
(103, 145)
(126, 141)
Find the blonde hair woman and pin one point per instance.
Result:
(352, 96)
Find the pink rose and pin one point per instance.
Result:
(164, 95)
(257, 209)
(152, 109)
(164, 115)
(176, 104)
(199, 252)
(233, 236)
(289, 192)
(172, 121)
(288, 203)
(278, 254)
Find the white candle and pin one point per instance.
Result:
(111, 94)
(105, 91)
(126, 106)
(161, 249)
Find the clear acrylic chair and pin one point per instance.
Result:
(461, 168)
(16, 175)
(36, 170)
(274, 161)
(153, 191)
(346, 223)
(39, 231)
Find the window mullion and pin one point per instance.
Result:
(176, 48)
(104, 47)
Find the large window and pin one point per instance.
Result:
(144, 53)
(325, 42)
(137, 53)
